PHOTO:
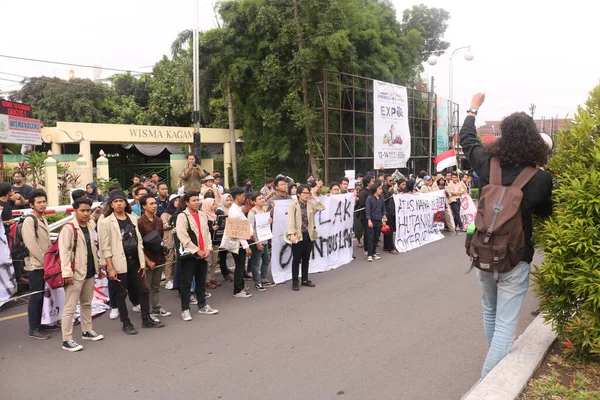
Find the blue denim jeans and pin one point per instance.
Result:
(502, 303)
(255, 259)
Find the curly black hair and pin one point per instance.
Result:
(520, 143)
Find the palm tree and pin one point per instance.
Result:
(184, 37)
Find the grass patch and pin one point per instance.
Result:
(562, 378)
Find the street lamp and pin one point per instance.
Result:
(433, 59)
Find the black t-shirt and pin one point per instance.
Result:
(91, 267)
(123, 224)
(24, 191)
(7, 207)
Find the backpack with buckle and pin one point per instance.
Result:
(52, 268)
(498, 243)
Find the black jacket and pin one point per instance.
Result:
(363, 195)
(536, 194)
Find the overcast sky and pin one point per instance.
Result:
(526, 51)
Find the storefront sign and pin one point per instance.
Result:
(20, 130)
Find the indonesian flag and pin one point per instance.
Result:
(445, 160)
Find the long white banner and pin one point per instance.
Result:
(391, 134)
(331, 250)
(419, 219)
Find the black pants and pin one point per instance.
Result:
(36, 301)
(455, 206)
(240, 267)
(223, 263)
(190, 269)
(365, 226)
(112, 294)
(301, 254)
(373, 237)
(388, 240)
(132, 278)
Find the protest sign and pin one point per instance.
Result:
(419, 219)
(333, 247)
(7, 273)
(263, 226)
(237, 228)
(351, 175)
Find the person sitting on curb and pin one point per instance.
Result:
(79, 283)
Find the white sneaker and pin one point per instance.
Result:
(369, 259)
(193, 299)
(242, 295)
(162, 313)
(137, 308)
(163, 277)
(207, 295)
(186, 316)
(376, 257)
(114, 313)
(207, 310)
(169, 285)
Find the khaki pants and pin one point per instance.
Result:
(213, 263)
(170, 264)
(153, 278)
(82, 292)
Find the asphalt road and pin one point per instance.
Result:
(404, 327)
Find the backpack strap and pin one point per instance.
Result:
(524, 177)
(495, 171)
(75, 234)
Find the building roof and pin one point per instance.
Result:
(550, 125)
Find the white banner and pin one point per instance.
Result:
(419, 219)
(54, 301)
(468, 210)
(351, 175)
(331, 250)
(20, 130)
(391, 147)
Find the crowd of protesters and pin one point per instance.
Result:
(140, 238)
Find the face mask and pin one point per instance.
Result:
(18, 180)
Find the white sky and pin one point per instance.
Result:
(526, 51)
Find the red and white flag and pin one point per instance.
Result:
(445, 160)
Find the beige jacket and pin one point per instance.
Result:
(294, 219)
(181, 226)
(65, 250)
(168, 232)
(111, 244)
(37, 246)
(457, 188)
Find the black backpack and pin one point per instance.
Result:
(18, 250)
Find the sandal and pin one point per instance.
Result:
(216, 283)
(210, 285)
(359, 244)
(394, 252)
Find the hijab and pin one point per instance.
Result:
(171, 206)
(410, 186)
(94, 195)
(223, 201)
(207, 208)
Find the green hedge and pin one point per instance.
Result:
(474, 193)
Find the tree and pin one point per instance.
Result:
(431, 23)
(568, 281)
(128, 85)
(54, 99)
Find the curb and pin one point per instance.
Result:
(508, 379)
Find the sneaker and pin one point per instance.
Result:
(137, 308)
(186, 316)
(150, 323)
(49, 328)
(114, 313)
(71, 346)
(161, 313)
(193, 299)
(268, 284)
(376, 257)
(246, 288)
(163, 277)
(259, 287)
(295, 286)
(90, 335)
(242, 295)
(228, 278)
(128, 328)
(154, 318)
(248, 277)
(37, 334)
(369, 259)
(207, 310)
(308, 283)
(169, 285)
(207, 295)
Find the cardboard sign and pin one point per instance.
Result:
(237, 228)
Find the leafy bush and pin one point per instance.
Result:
(256, 166)
(104, 184)
(474, 193)
(568, 281)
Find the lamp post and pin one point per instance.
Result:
(196, 73)
(432, 60)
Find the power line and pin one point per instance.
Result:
(8, 73)
(9, 80)
(72, 65)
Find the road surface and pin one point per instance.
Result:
(403, 327)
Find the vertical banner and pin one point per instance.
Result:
(442, 123)
(391, 135)
(333, 247)
(7, 273)
(419, 219)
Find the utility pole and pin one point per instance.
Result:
(196, 75)
(431, 108)
(532, 110)
(233, 144)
